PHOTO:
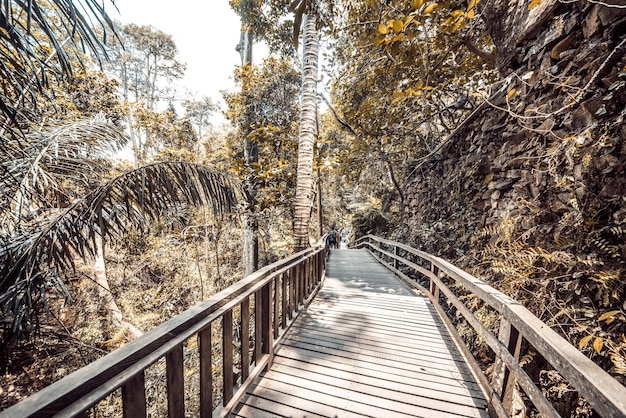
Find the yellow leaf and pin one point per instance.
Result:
(510, 93)
(408, 19)
(583, 341)
(470, 14)
(380, 39)
(471, 4)
(533, 4)
(397, 37)
(597, 344)
(416, 4)
(456, 13)
(608, 315)
(398, 25)
(430, 8)
(398, 94)
(382, 29)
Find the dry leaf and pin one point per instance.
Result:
(597, 344)
(583, 341)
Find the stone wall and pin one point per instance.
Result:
(550, 145)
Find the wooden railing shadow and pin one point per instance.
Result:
(435, 277)
(273, 297)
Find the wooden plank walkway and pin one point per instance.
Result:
(366, 346)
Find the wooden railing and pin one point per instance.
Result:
(435, 277)
(271, 298)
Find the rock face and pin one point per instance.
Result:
(549, 148)
(514, 23)
(531, 191)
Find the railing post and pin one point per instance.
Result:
(206, 373)
(395, 260)
(258, 328)
(305, 281)
(298, 286)
(501, 383)
(309, 276)
(266, 324)
(276, 304)
(434, 289)
(284, 307)
(134, 397)
(245, 338)
(320, 266)
(227, 356)
(292, 292)
(175, 383)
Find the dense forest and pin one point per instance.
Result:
(490, 133)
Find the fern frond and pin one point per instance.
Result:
(618, 359)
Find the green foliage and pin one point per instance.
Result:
(266, 112)
(405, 75)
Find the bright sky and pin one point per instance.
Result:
(205, 31)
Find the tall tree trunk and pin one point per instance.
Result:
(106, 297)
(250, 258)
(306, 141)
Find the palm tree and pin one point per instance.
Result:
(54, 208)
(43, 41)
(308, 124)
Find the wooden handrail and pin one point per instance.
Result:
(605, 394)
(279, 292)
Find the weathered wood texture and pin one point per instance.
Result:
(366, 346)
(605, 394)
(76, 393)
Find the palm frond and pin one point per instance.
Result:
(32, 264)
(32, 168)
(40, 39)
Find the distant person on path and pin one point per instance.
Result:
(333, 238)
(344, 236)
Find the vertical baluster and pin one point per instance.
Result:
(320, 261)
(297, 288)
(245, 339)
(301, 275)
(276, 304)
(501, 383)
(206, 373)
(175, 383)
(134, 397)
(302, 282)
(308, 277)
(395, 260)
(284, 300)
(227, 355)
(292, 292)
(266, 317)
(258, 334)
(434, 289)
(313, 271)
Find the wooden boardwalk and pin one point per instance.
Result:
(366, 346)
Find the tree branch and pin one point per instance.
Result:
(337, 117)
(487, 57)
